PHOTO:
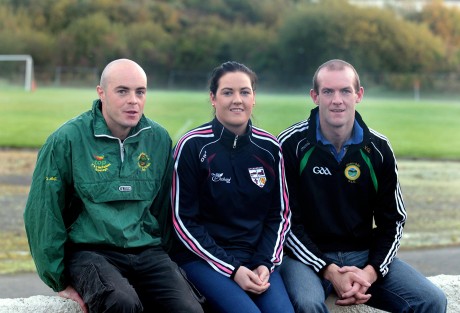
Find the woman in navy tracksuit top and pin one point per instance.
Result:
(230, 203)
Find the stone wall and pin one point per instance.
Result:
(450, 284)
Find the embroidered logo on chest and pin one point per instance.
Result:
(219, 177)
(143, 161)
(100, 164)
(352, 172)
(258, 176)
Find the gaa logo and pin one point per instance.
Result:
(321, 170)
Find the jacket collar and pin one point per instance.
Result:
(312, 121)
(228, 138)
(101, 128)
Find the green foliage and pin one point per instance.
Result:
(413, 127)
(283, 40)
(444, 22)
(370, 38)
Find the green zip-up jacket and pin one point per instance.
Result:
(90, 188)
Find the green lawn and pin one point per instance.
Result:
(419, 129)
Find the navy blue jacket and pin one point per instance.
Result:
(229, 197)
(351, 205)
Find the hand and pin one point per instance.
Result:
(368, 274)
(250, 281)
(71, 293)
(348, 284)
(263, 272)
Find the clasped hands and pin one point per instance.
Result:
(255, 281)
(351, 283)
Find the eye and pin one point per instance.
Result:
(122, 91)
(327, 92)
(227, 93)
(141, 92)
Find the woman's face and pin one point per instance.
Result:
(234, 101)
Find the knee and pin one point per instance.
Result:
(437, 302)
(309, 306)
(122, 302)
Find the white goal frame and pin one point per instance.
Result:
(29, 67)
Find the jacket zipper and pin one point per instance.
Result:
(234, 141)
(122, 150)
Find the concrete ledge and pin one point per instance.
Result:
(450, 284)
(39, 304)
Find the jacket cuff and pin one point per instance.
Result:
(234, 272)
(321, 270)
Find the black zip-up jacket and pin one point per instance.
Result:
(351, 205)
(229, 197)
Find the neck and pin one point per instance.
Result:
(337, 136)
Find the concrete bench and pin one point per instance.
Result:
(450, 284)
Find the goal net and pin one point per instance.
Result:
(17, 69)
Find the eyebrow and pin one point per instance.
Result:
(230, 88)
(126, 87)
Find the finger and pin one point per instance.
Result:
(255, 278)
(345, 269)
(360, 296)
(362, 300)
(346, 301)
(258, 289)
(350, 293)
(361, 281)
(265, 277)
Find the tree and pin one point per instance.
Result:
(370, 38)
(444, 22)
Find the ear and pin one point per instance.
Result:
(314, 96)
(360, 95)
(212, 97)
(100, 92)
(254, 104)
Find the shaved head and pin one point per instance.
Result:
(114, 67)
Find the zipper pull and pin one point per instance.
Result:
(234, 141)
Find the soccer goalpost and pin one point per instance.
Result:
(29, 67)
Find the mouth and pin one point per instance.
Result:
(131, 113)
(236, 110)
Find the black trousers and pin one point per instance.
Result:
(141, 281)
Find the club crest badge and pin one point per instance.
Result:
(143, 161)
(352, 172)
(258, 176)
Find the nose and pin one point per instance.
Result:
(237, 98)
(132, 97)
(337, 97)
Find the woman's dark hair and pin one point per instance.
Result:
(227, 67)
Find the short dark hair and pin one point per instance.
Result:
(228, 67)
(335, 65)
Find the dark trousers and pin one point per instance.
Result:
(141, 281)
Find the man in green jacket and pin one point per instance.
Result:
(97, 217)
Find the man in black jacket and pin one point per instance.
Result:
(347, 208)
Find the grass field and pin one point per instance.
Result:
(423, 129)
(416, 129)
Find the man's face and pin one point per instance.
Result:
(234, 101)
(123, 98)
(337, 98)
